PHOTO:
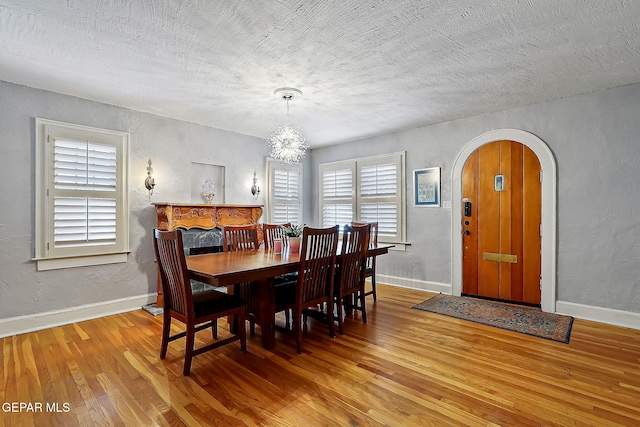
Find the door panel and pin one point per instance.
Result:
(488, 213)
(470, 225)
(532, 220)
(504, 224)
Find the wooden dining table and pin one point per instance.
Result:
(260, 266)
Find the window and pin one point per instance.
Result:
(369, 189)
(82, 212)
(285, 192)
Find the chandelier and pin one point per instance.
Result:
(286, 143)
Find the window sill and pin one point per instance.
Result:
(44, 264)
(401, 247)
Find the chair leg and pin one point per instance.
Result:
(287, 318)
(188, 352)
(298, 330)
(363, 307)
(242, 330)
(252, 327)
(373, 286)
(214, 328)
(339, 303)
(166, 328)
(330, 319)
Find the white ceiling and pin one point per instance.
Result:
(365, 67)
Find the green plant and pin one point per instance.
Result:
(293, 230)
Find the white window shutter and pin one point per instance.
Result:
(369, 189)
(337, 195)
(379, 197)
(285, 193)
(82, 210)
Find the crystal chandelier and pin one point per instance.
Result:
(286, 143)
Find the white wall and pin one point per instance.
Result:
(595, 139)
(172, 145)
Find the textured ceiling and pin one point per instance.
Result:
(365, 67)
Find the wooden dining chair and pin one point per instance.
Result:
(271, 232)
(371, 262)
(350, 272)
(197, 311)
(314, 284)
(241, 238)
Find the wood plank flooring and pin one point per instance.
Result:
(404, 368)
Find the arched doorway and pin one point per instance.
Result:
(548, 244)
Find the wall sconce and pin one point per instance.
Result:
(150, 181)
(255, 190)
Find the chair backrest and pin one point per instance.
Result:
(239, 237)
(174, 275)
(373, 236)
(272, 232)
(352, 262)
(317, 264)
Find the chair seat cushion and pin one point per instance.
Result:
(368, 271)
(212, 301)
(286, 294)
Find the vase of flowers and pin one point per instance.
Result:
(293, 233)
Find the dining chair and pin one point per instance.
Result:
(314, 284)
(241, 238)
(197, 311)
(371, 262)
(271, 232)
(350, 272)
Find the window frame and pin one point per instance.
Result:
(356, 198)
(272, 166)
(47, 257)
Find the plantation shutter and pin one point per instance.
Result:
(286, 202)
(367, 189)
(337, 196)
(84, 202)
(379, 197)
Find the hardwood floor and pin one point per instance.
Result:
(404, 368)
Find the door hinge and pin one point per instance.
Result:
(541, 176)
(47, 245)
(540, 229)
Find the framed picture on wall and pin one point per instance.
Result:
(426, 187)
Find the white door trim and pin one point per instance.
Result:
(548, 165)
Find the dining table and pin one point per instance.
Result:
(260, 266)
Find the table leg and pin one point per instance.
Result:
(267, 312)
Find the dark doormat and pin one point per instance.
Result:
(517, 318)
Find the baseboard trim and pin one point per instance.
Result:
(610, 316)
(35, 322)
(422, 285)
(626, 319)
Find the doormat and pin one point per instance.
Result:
(517, 318)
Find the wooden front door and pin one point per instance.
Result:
(502, 213)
